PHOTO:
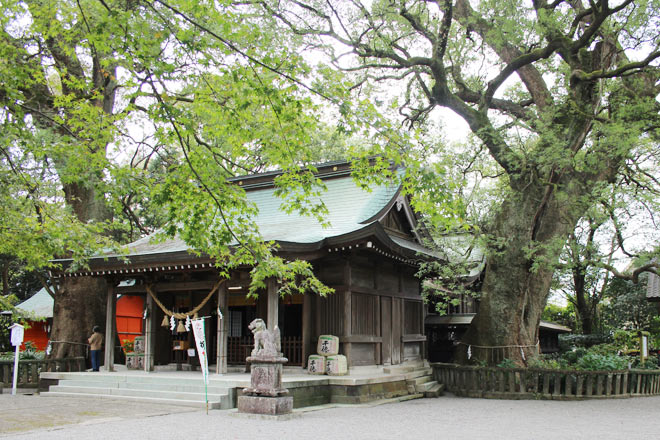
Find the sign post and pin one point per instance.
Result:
(17, 333)
(200, 341)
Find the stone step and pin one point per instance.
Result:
(166, 394)
(165, 401)
(421, 380)
(157, 386)
(405, 367)
(419, 372)
(426, 386)
(398, 369)
(141, 379)
(436, 391)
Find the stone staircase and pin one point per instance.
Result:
(419, 378)
(154, 389)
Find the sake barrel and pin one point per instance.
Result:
(316, 364)
(328, 345)
(138, 344)
(336, 365)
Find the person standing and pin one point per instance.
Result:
(95, 343)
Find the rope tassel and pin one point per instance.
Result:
(181, 328)
(176, 315)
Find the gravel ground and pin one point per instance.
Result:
(448, 417)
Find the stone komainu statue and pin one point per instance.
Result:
(266, 342)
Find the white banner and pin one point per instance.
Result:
(200, 341)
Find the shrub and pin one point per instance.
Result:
(572, 357)
(648, 364)
(598, 362)
(606, 349)
(507, 363)
(571, 342)
(547, 362)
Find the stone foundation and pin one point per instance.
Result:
(272, 406)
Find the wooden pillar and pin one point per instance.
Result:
(273, 303)
(307, 327)
(347, 309)
(149, 334)
(223, 330)
(425, 345)
(378, 346)
(110, 327)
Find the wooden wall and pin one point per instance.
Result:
(376, 309)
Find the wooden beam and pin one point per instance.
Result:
(168, 287)
(110, 326)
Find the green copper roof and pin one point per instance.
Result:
(353, 213)
(39, 305)
(348, 205)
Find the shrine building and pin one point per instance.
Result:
(369, 255)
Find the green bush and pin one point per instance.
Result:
(572, 357)
(548, 362)
(24, 355)
(569, 343)
(606, 349)
(598, 362)
(648, 364)
(507, 363)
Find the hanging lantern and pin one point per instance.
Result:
(165, 322)
(180, 328)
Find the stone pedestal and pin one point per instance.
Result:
(266, 376)
(265, 395)
(272, 406)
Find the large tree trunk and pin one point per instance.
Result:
(515, 289)
(79, 306)
(80, 302)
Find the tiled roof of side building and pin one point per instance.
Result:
(39, 305)
(653, 287)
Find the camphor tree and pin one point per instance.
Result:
(110, 108)
(562, 95)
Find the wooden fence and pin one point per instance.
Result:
(28, 370)
(239, 348)
(522, 383)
